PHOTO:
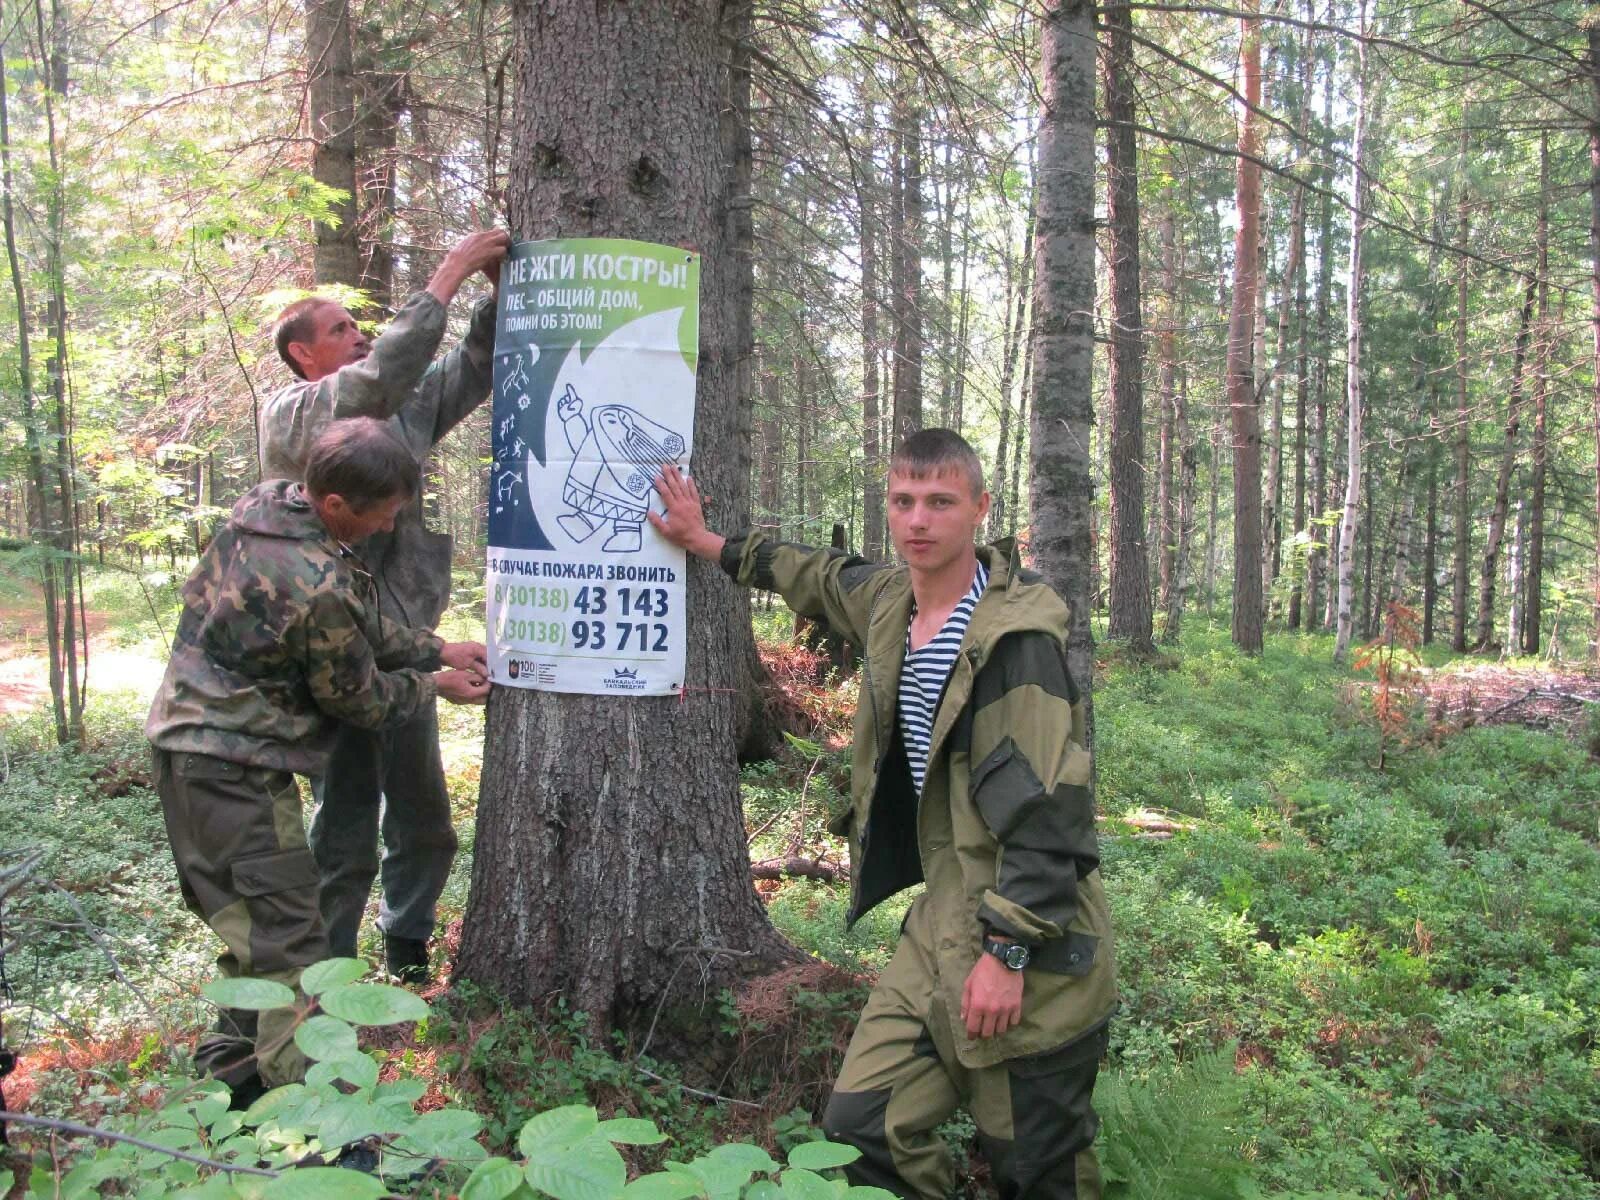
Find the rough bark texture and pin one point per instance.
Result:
(1483, 635)
(1061, 487)
(1131, 616)
(611, 857)
(331, 95)
(907, 252)
(1243, 400)
(1533, 578)
(1016, 336)
(382, 95)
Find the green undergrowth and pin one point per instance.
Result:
(1337, 981)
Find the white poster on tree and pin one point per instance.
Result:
(596, 348)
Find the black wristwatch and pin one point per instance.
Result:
(1013, 956)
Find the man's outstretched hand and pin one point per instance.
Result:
(480, 251)
(683, 521)
(465, 656)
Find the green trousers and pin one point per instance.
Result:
(244, 869)
(901, 1080)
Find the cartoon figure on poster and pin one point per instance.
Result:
(617, 453)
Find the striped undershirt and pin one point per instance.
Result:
(923, 677)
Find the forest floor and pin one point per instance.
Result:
(1400, 963)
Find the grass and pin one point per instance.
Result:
(1405, 961)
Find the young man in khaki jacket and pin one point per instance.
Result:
(969, 774)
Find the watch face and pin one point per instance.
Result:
(1016, 957)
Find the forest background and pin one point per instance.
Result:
(1344, 311)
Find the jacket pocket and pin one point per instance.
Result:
(1072, 954)
(1005, 789)
(203, 766)
(280, 871)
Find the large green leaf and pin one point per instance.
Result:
(323, 1037)
(743, 1154)
(631, 1131)
(331, 973)
(324, 1183)
(356, 1068)
(351, 1118)
(557, 1129)
(373, 1004)
(441, 1134)
(254, 994)
(492, 1179)
(589, 1170)
(805, 1185)
(665, 1185)
(821, 1156)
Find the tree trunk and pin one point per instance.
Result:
(1533, 575)
(382, 99)
(611, 848)
(907, 250)
(1514, 552)
(1131, 616)
(1463, 492)
(1167, 475)
(1593, 67)
(1061, 486)
(1019, 281)
(1317, 562)
(331, 93)
(1484, 633)
(1362, 191)
(1430, 548)
(1243, 401)
(871, 396)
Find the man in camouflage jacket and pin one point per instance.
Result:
(396, 771)
(282, 642)
(1001, 987)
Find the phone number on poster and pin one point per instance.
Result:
(640, 637)
(590, 601)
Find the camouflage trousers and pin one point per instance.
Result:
(901, 1080)
(393, 777)
(245, 870)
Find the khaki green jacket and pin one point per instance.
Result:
(282, 635)
(422, 399)
(1004, 832)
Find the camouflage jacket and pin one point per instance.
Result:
(1003, 831)
(422, 400)
(281, 634)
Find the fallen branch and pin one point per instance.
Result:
(796, 867)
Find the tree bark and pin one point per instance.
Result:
(1167, 475)
(1317, 561)
(1243, 401)
(1362, 190)
(331, 97)
(1593, 67)
(1020, 281)
(1463, 431)
(872, 528)
(1483, 635)
(610, 850)
(907, 250)
(1532, 609)
(1061, 486)
(1131, 616)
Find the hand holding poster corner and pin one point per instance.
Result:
(596, 346)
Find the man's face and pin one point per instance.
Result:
(336, 341)
(352, 527)
(933, 520)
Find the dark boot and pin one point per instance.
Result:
(406, 959)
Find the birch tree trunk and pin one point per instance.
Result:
(1061, 487)
(1317, 562)
(611, 845)
(1358, 223)
(1243, 399)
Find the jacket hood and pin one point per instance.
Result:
(279, 508)
(1016, 600)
